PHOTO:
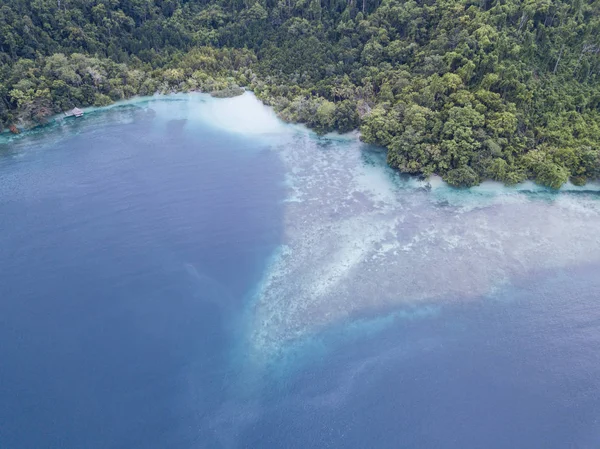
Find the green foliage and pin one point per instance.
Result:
(463, 176)
(499, 89)
(545, 171)
(229, 91)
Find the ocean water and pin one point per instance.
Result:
(187, 272)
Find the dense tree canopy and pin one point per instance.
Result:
(500, 89)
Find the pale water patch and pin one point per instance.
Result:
(243, 114)
(360, 238)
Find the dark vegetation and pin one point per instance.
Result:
(500, 89)
(227, 92)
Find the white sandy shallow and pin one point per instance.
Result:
(359, 238)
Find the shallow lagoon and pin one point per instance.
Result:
(189, 272)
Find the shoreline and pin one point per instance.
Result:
(24, 127)
(433, 182)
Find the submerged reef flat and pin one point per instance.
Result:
(360, 238)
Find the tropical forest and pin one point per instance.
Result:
(505, 90)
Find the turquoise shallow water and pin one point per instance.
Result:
(188, 272)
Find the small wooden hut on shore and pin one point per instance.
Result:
(75, 112)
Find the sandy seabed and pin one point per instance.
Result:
(359, 237)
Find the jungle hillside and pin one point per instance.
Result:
(490, 89)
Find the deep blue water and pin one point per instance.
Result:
(519, 373)
(130, 246)
(123, 247)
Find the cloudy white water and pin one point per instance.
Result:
(361, 239)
